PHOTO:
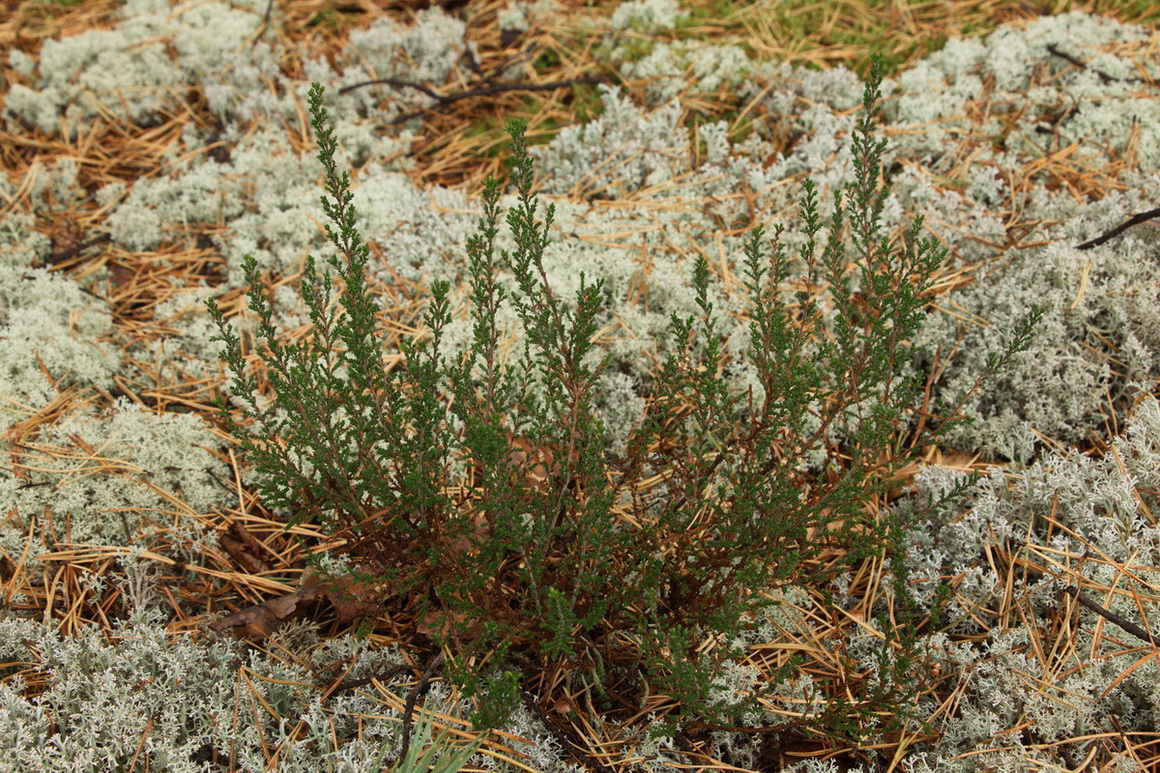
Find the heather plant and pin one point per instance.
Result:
(546, 554)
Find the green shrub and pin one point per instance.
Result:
(543, 559)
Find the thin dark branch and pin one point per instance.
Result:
(397, 83)
(265, 25)
(1127, 625)
(1142, 217)
(416, 691)
(483, 91)
(354, 684)
(1104, 77)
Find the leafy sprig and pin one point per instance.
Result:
(539, 567)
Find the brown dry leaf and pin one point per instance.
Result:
(543, 459)
(461, 545)
(441, 620)
(245, 549)
(262, 620)
(353, 598)
(350, 598)
(309, 577)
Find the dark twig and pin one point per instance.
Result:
(1127, 625)
(483, 91)
(1104, 77)
(480, 92)
(354, 684)
(416, 691)
(265, 25)
(1142, 217)
(397, 83)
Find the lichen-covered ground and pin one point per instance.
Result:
(149, 145)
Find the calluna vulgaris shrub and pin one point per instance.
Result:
(552, 560)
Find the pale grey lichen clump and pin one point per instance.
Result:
(1106, 94)
(1058, 387)
(705, 67)
(646, 15)
(1102, 328)
(186, 707)
(1089, 507)
(131, 476)
(634, 209)
(127, 71)
(1093, 504)
(48, 318)
(519, 16)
